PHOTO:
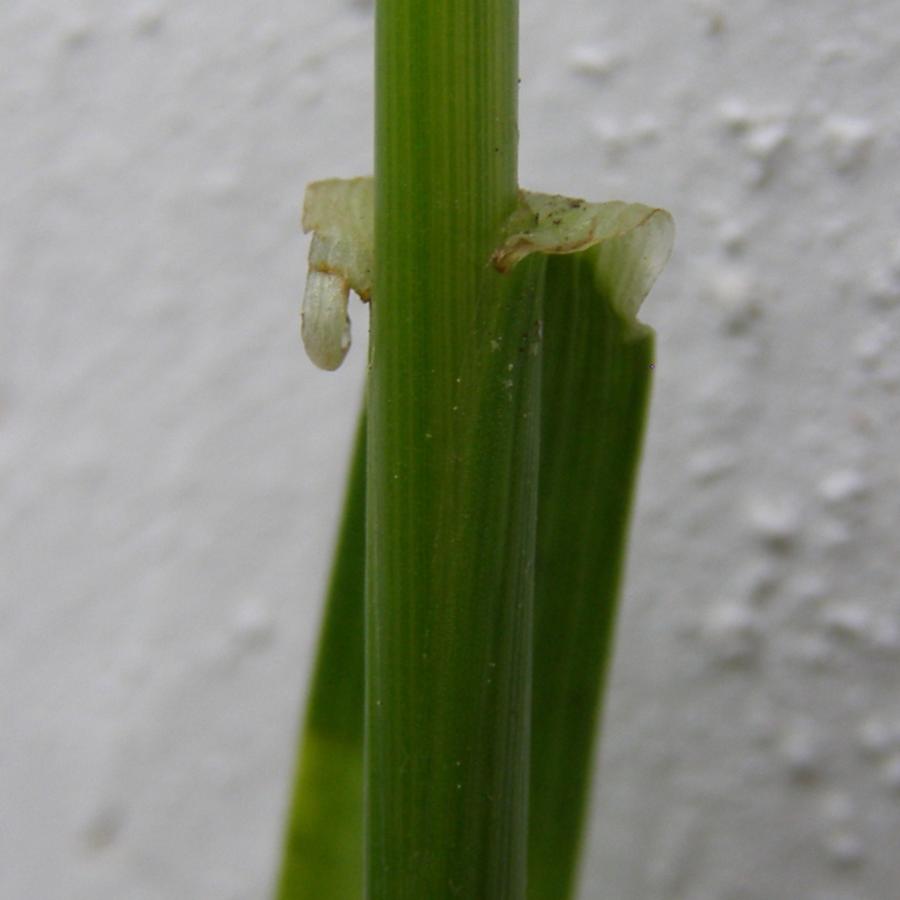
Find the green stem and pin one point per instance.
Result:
(454, 392)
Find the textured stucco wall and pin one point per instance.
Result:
(170, 464)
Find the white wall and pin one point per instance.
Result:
(170, 464)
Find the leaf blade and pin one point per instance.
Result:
(322, 856)
(596, 384)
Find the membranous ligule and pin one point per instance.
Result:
(627, 244)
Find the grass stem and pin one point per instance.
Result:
(454, 392)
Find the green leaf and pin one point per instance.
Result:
(597, 376)
(322, 857)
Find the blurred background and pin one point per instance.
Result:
(171, 465)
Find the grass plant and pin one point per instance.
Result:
(451, 720)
